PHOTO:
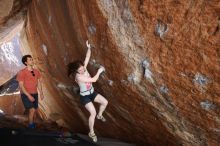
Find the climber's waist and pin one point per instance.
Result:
(87, 92)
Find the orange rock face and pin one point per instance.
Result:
(11, 105)
(161, 58)
(11, 22)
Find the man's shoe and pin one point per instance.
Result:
(32, 126)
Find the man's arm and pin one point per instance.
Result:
(39, 86)
(88, 54)
(21, 85)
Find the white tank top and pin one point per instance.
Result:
(85, 87)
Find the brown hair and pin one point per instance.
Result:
(73, 67)
(24, 59)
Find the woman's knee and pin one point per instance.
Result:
(105, 102)
(93, 113)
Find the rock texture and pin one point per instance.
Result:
(161, 59)
(12, 15)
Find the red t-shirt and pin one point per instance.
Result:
(30, 81)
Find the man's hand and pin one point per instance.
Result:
(88, 45)
(41, 95)
(31, 98)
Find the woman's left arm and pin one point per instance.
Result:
(88, 54)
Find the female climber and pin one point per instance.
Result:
(78, 69)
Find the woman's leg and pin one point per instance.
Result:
(103, 103)
(90, 107)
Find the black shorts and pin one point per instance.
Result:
(27, 103)
(87, 98)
